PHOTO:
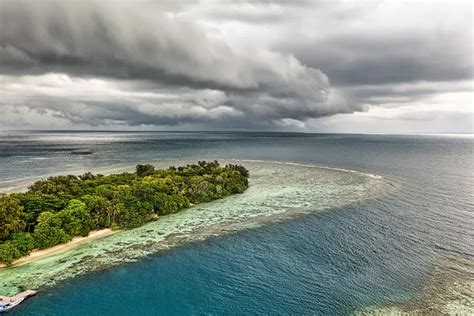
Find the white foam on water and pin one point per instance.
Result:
(313, 166)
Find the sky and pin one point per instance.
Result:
(310, 66)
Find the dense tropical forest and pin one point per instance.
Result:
(55, 210)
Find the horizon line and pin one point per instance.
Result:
(233, 131)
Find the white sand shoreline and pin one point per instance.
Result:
(76, 241)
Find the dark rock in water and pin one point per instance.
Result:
(82, 152)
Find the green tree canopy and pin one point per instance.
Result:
(144, 170)
(54, 210)
(11, 216)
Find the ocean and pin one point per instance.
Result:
(343, 252)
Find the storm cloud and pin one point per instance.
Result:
(262, 65)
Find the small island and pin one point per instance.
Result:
(55, 210)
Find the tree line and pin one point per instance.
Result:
(55, 210)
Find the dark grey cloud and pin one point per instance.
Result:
(145, 41)
(361, 58)
(261, 64)
(384, 42)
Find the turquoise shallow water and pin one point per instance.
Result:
(365, 252)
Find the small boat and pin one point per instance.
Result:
(6, 306)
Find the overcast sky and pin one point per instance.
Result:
(323, 66)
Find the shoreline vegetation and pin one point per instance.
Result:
(75, 241)
(63, 211)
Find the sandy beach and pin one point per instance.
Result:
(76, 241)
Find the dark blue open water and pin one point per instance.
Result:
(329, 263)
